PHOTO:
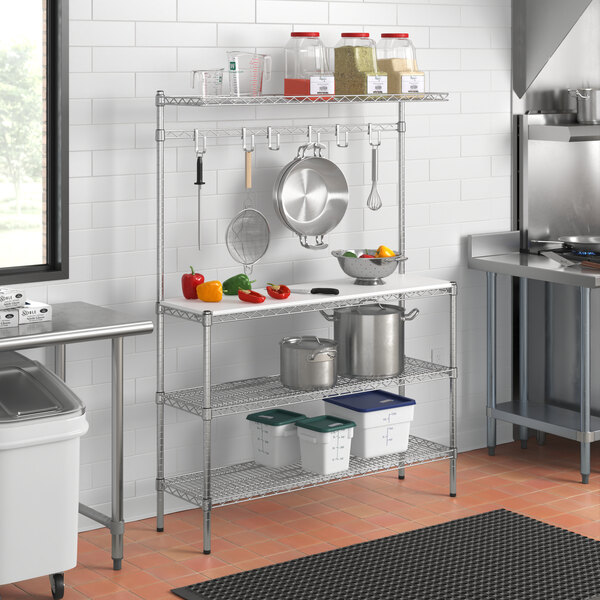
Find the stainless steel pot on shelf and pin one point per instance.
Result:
(370, 339)
(308, 362)
(588, 105)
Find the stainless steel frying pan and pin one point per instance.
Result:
(589, 243)
(311, 196)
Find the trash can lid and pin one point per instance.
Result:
(370, 401)
(325, 423)
(275, 417)
(30, 391)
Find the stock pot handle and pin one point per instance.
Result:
(330, 353)
(410, 315)
(320, 245)
(578, 94)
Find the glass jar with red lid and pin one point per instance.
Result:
(356, 71)
(306, 66)
(396, 55)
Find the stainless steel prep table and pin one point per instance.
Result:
(499, 253)
(83, 322)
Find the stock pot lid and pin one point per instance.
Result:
(371, 309)
(308, 342)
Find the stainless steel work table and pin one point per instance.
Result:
(499, 253)
(81, 322)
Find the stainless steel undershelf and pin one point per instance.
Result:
(544, 417)
(498, 253)
(247, 481)
(571, 132)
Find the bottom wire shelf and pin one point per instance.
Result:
(246, 481)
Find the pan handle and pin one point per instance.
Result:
(316, 147)
(320, 245)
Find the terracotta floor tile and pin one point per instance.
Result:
(236, 555)
(203, 562)
(96, 589)
(170, 570)
(267, 548)
(254, 563)
(299, 540)
(221, 571)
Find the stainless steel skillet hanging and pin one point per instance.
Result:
(311, 196)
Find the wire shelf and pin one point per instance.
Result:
(247, 481)
(161, 99)
(275, 310)
(268, 392)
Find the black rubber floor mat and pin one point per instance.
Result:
(497, 555)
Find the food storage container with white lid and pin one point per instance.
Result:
(306, 66)
(356, 71)
(396, 56)
(41, 422)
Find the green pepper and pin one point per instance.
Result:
(232, 285)
(349, 254)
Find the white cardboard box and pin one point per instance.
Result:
(34, 312)
(9, 318)
(11, 298)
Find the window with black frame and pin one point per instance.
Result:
(33, 140)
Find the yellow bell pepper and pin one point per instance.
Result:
(210, 291)
(384, 251)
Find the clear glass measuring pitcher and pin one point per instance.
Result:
(247, 71)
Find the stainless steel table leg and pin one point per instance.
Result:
(491, 361)
(117, 451)
(523, 348)
(585, 374)
(207, 423)
(60, 360)
(453, 376)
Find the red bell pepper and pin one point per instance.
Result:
(189, 282)
(279, 292)
(251, 296)
(367, 256)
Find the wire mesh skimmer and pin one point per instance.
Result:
(248, 232)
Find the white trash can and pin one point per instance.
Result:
(325, 443)
(274, 438)
(382, 421)
(41, 422)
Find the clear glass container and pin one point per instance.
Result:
(306, 66)
(396, 55)
(356, 70)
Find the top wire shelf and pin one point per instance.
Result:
(162, 100)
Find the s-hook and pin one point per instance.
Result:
(338, 137)
(200, 149)
(273, 146)
(245, 146)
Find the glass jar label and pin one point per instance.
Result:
(413, 83)
(322, 84)
(376, 84)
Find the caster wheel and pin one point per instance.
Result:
(57, 585)
(491, 451)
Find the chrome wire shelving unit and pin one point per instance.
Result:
(226, 485)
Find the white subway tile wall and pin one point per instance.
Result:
(457, 183)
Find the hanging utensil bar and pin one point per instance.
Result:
(200, 148)
(270, 133)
